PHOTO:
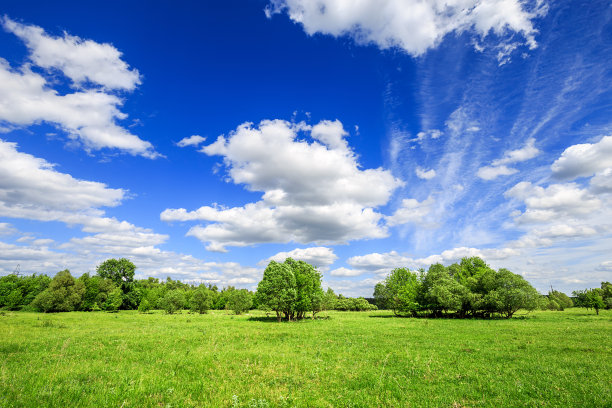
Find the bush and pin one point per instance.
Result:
(172, 302)
(240, 301)
(201, 300)
(144, 306)
(64, 294)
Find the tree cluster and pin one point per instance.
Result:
(467, 289)
(596, 298)
(113, 288)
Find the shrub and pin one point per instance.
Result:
(144, 306)
(172, 302)
(240, 301)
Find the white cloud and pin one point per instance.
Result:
(556, 201)
(312, 191)
(425, 174)
(80, 60)
(491, 173)
(499, 167)
(601, 183)
(411, 210)
(412, 25)
(193, 140)
(30, 185)
(529, 151)
(87, 115)
(431, 134)
(346, 272)
(379, 262)
(6, 229)
(584, 160)
(319, 257)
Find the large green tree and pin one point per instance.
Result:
(277, 290)
(511, 293)
(64, 294)
(309, 294)
(121, 272)
(402, 289)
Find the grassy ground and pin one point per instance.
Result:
(551, 359)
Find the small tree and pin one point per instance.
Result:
(201, 300)
(402, 290)
(590, 298)
(240, 301)
(144, 306)
(329, 300)
(173, 301)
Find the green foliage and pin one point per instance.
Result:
(329, 300)
(173, 301)
(402, 288)
(121, 272)
(240, 301)
(201, 300)
(277, 290)
(118, 270)
(381, 297)
(291, 289)
(559, 301)
(97, 290)
(64, 294)
(511, 292)
(17, 292)
(440, 292)
(590, 299)
(113, 301)
(144, 306)
(470, 288)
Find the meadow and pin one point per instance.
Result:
(344, 359)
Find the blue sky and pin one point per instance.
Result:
(203, 139)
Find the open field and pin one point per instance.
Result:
(352, 359)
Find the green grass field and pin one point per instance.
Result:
(550, 359)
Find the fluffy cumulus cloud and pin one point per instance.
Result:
(583, 160)
(80, 60)
(555, 202)
(313, 190)
(31, 187)
(88, 115)
(500, 167)
(319, 257)
(413, 25)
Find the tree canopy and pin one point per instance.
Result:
(290, 289)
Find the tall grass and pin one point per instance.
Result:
(350, 359)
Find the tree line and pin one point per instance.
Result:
(114, 288)
(292, 290)
(473, 289)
